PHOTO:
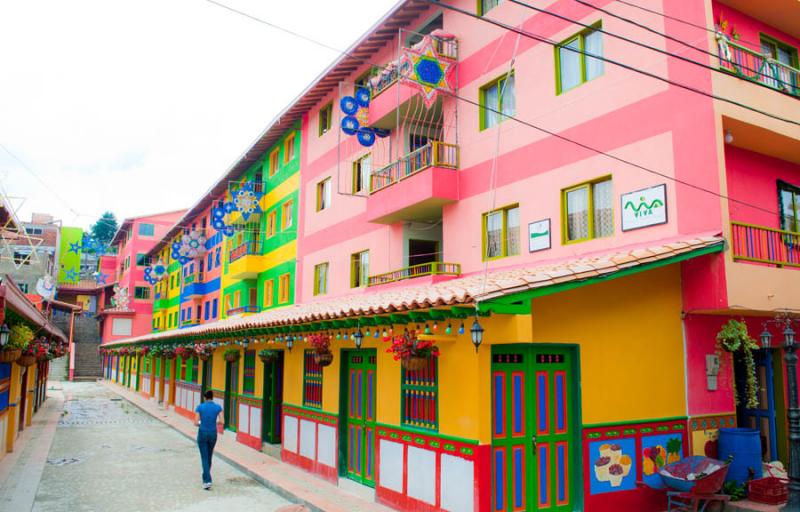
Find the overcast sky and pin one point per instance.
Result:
(138, 106)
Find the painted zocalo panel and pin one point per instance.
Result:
(308, 439)
(244, 418)
(422, 480)
(255, 422)
(391, 465)
(458, 479)
(327, 445)
(290, 433)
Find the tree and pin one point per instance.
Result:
(103, 230)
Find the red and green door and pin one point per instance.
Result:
(358, 439)
(534, 438)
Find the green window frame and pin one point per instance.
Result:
(587, 211)
(195, 370)
(570, 57)
(141, 292)
(325, 119)
(312, 381)
(359, 269)
(146, 229)
(501, 233)
(321, 279)
(143, 260)
(774, 47)
(419, 396)
(789, 206)
(485, 6)
(497, 99)
(249, 380)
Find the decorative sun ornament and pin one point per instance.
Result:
(155, 273)
(422, 68)
(191, 246)
(245, 201)
(218, 219)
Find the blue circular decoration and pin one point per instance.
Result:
(363, 97)
(380, 132)
(366, 137)
(350, 125)
(229, 207)
(348, 105)
(228, 231)
(429, 71)
(218, 213)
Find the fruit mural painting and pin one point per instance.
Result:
(658, 451)
(613, 466)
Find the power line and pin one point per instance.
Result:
(641, 44)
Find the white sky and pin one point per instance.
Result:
(138, 106)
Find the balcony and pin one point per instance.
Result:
(197, 277)
(246, 261)
(758, 244)
(243, 310)
(190, 322)
(423, 181)
(436, 268)
(757, 67)
(193, 285)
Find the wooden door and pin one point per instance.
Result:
(534, 443)
(231, 395)
(359, 415)
(272, 401)
(763, 416)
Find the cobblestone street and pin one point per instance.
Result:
(108, 455)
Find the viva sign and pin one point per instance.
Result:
(643, 208)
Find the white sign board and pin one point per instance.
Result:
(643, 208)
(539, 235)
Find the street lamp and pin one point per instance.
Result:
(4, 333)
(477, 334)
(358, 337)
(766, 338)
(289, 343)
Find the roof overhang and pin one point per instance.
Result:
(14, 299)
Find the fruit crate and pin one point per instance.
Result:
(770, 490)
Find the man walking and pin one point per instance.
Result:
(206, 416)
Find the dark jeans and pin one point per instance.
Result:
(206, 442)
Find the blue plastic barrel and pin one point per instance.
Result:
(745, 446)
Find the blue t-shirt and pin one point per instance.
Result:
(208, 412)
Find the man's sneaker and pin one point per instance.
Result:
(207, 486)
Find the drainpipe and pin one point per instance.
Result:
(71, 345)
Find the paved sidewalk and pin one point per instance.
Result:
(288, 481)
(21, 470)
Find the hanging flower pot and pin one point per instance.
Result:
(232, 354)
(168, 353)
(412, 352)
(268, 356)
(323, 357)
(413, 363)
(204, 351)
(10, 355)
(26, 360)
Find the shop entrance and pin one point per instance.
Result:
(272, 401)
(357, 416)
(534, 427)
(764, 417)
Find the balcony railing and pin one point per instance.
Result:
(243, 309)
(435, 268)
(755, 66)
(190, 321)
(765, 245)
(250, 248)
(433, 154)
(196, 277)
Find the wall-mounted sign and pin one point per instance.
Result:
(643, 208)
(539, 235)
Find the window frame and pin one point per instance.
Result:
(503, 232)
(795, 191)
(287, 207)
(143, 224)
(321, 290)
(581, 36)
(328, 111)
(269, 293)
(355, 262)
(273, 162)
(590, 206)
(482, 100)
(289, 139)
(283, 290)
(272, 223)
(321, 205)
(146, 292)
(357, 170)
(432, 389)
(313, 377)
(777, 43)
(481, 12)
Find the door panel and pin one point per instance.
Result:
(272, 401)
(762, 417)
(360, 380)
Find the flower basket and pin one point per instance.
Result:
(184, 352)
(10, 355)
(268, 356)
(412, 352)
(323, 357)
(204, 356)
(168, 353)
(203, 350)
(413, 363)
(26, 360)
(232, 355)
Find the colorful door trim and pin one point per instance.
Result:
(357, 416)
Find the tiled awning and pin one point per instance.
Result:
(498, 285)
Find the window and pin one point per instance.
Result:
(249, 382)
(216, 257)
(214, 305)
(141, 292)
(288, 149)
(121, 326)
(485, 6)
(323, 194)
(269, 287)
(23, 287)
(146, 229)
(498, 99)
(271, 221)
(195, 369)
(237, 298)
(359, 269)
(325, 119)
(286, 215)
(21, 258)
(312, 381)
(206, 308)
(588, 211)
(127, 263)
(789, 197)
(210, 261)
(33, 231)
(283, 289)
(321, 279)
(419, 391)
(574, 66)
(784, 54)
(362, 169)
(501, 233)
(143, 260)
(273, 162)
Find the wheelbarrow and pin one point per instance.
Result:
(694, 483)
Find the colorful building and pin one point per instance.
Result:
(595, 226)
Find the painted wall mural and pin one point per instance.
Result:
(611, 466)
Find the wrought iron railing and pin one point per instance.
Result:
(253, 247)
(765, 245)
(190, 321)
(435, 268)
(755, 66)
(196, 277)
(243, 309)
(433, 154)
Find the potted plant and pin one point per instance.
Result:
(203, 350)
(35, 351)
(412, 352)
(144, 350)
(156, 351)
(41, 350)
(184, 352)
(267, 355)
(734, 339)
(232, 354)
(18, 339)
(321, 343)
